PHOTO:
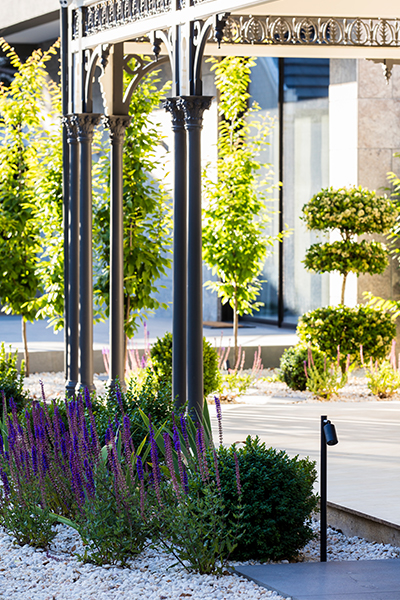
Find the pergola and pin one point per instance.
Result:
(108, 33)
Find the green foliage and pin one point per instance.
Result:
(111, 526)
(147, 212)
(196, 530)
(148, 396)
(291, 365)
(277, 500)
(326, 382)
(234, 384)
(351, 211)
(161, 359)
(12, 381)
(235, 215)
(331, 327)
(29, 523)
(383, 380)
(347, 257)
(354, 210)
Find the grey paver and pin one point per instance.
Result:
(347, 580)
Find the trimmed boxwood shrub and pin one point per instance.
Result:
(348, 327)
(277, 499)
(291, 366)
(161, 358)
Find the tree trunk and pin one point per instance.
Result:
(235, 327)
(26, 355)
(343, 288)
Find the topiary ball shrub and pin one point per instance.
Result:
(277, 500)
(349, 328)
(291, 365)
(161, 359)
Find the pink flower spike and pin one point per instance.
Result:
(361, 355)
(305, 368)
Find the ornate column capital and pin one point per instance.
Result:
(68, 122)
(117, 125)
(178, 116)
(193, 108)
(85, 124)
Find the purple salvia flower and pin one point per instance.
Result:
(89, 478)
(204, 454)
(139, 468)
(42, 388)
(88, 401)
(217, 477)
(170, 463)
(185, 481)
(177, 445)
(28, 428)
(85, 434)
(219, 418)
(154, 461)
(45, 464)
(184, 432)
(200, 455)
(34, 459)
(6, 483)
(237, 473)
(1, 445)
(119, 397)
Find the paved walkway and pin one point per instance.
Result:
(40, 336)
(347, 580)
(363, 468)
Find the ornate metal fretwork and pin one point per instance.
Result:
(312, 31)
(109, 14)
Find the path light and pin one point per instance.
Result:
(328, 438)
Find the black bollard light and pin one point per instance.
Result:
(328, 438)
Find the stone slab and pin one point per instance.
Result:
(346, 580)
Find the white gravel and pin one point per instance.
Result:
(28, 574)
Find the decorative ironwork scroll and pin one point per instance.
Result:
(312, 31)
(109, 14)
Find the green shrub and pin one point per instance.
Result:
(12, 381)
(277, 499)
(151, 396)
(291, 365)
(347, 327)
(161, 358)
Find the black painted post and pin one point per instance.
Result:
(65, 167)
(323, 491)
(117, 126)
(179, 274)
(71, 328)
(86, 122)
(193, 108)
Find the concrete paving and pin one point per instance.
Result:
(347, 580)
(363, 468)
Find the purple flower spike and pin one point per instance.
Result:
(34, 459)
(88, 402)
(184, 432)
(217, 478)
(42, 388)
(219, 418)
(237, 472)
(119, 397)
(185, 481)
(177, 446)
(139, 468)
(6, 483)
(170, 463)
(1, 445)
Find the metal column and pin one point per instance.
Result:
(86, 123)
(117, 126)
(179, 274)
(193, 108)
(71, 328)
